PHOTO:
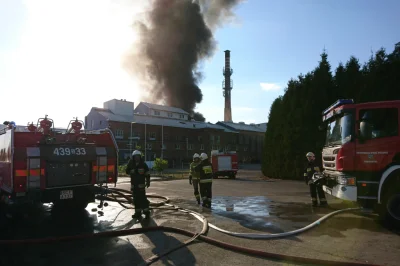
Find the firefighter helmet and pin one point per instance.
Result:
(136, 152)
(310, 154)
(196, 155)
(203, 156)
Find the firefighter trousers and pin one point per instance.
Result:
(140, 199)
(206, 193)
(195, 183)
(316, 192)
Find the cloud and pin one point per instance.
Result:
(270, 86)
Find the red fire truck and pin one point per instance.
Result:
(41, 164)
(361, 156)
(224, 163)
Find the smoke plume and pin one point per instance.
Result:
(174, 37)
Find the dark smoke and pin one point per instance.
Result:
(177, 35)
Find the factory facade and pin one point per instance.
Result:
(169, 133)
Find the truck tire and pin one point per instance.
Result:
(390, 209)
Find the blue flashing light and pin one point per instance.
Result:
(337, 104)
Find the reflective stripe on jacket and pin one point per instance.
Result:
(195, 174)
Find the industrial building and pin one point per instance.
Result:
(167, 132)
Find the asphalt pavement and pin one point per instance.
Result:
(246, 204)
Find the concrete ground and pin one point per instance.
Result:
(242, 205)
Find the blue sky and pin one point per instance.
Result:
(46, 53)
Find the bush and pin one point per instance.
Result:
(122, 169)
(160, 165)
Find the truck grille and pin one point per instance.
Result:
(329, 162)
(67, 174)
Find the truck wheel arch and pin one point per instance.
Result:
(385, 176)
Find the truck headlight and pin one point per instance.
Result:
(346, 180)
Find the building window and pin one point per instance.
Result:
(245, 149)
(169, 114)
(134, 144)
(202, 147)
(218, 138)
(92, 124)
(152, 135)
(177, 146)
(165, 136)
(135, 134)
(177, 138)
(181, 116)
(156, 112)
(190, 147)
(119, 133)
(163, 146)
(149, 146)
(200, 138)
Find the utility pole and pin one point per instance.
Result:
(162, 141)
(145, 140)
(130, 142)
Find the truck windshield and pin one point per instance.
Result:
(339, 129)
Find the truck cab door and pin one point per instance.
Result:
(378, 139)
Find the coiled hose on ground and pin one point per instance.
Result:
(116, 194)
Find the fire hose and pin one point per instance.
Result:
(242, 235)
(120, 193)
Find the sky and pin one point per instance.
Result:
(62, 57)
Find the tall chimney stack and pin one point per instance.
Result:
(227, 87)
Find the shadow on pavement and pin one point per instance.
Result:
(46, 222)
(163, 242)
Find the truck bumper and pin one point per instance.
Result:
(342, 192)
(79, 193)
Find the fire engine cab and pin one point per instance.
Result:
(361, 155)
(40, 164)
(224, 163)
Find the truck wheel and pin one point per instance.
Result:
(391, 206)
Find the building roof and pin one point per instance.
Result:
(245, 127)
(113, 117)
(168, 122)
(164, 108)
(158, 121)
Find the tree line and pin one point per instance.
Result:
(293, 121)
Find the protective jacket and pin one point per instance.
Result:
(309, 171)
(139, 172)
(205, 170)
(193, 173)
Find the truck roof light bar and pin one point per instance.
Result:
(337, 104)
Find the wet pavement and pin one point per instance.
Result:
(260, 208)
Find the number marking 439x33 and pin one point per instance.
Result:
(69, 151)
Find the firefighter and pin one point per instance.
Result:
(194, 176)
(206, 177)
(315, 189)
(140, 179)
